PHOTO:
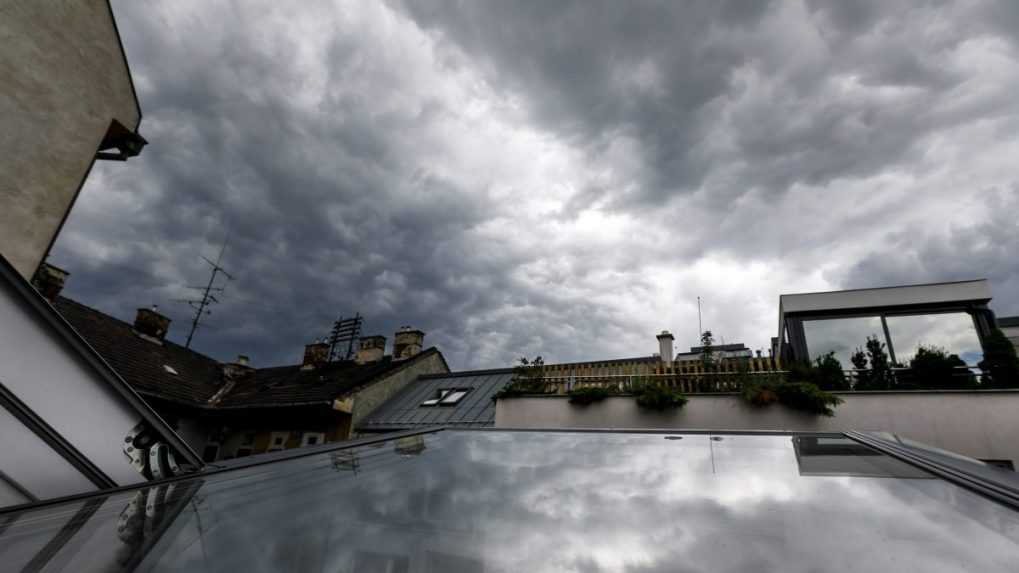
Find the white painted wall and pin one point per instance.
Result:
(980, 424)
(54, 381)
(890, 296)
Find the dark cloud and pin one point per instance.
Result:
(556, 178)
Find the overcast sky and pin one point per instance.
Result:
(555, 178)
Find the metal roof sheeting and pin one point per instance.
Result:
(476, 409)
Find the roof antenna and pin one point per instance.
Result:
(345, 330)
(201, 305)
(700, 329)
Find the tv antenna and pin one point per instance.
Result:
(700, 328)
(201, 305)
(345, 330)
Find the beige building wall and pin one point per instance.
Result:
(63, 80)
(982, 424)
(374, 395)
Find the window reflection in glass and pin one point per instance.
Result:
(841, 336)
(952, 332)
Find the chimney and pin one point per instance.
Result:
(151, 325)
(665, 347)
(372, 349)
(407, 343)
(315, 354)
(236, 370)
(49, 281)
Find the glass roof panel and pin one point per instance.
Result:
(533, 501)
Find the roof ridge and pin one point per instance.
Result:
(131, 326)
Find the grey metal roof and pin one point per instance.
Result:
(476, 409)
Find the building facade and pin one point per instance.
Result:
(228, 410)
(67, 99)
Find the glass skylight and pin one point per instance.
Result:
(473, 501)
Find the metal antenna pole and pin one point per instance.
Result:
(208, 298)
(700, 328)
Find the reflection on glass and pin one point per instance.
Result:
(532, 501)
(953, 332)
(833, 456)
(841, 336)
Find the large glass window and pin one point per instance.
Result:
(841, 336)
(953, 332)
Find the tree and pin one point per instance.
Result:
(1000, 364)
(828, 373)
(934, 368)
(879, 376)
(859, 360)
(708, 350)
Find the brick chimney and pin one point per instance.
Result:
(236, 370)
(151, 325)
(665, 347)
(49, 281)
(407, 343)
(315, 354)
(372, 349)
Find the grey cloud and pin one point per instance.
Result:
(336, 147)
(968, 251)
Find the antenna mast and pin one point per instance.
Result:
(700, 328)
(201, 305)
(344, 330)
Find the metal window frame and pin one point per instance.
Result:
(971, 481)
(56, 442)
(65, 333)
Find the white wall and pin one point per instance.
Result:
(47, 375)
(979, 424)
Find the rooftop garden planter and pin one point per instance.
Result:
(661, 398)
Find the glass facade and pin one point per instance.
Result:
(472, 501)
(953, 332)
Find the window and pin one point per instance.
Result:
(278, 441)
(452, 398)
(433, 401)
(312, 438)
(447, 397)
(210, 453)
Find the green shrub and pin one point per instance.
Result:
(589, 394)
(932, 367)
(1000, 364)
(803, 396)
(807, 397)
(528, 378)
(658, 397)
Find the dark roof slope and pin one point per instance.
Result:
(198, 378)
(141, 362)
(292, 386)
(476, 409)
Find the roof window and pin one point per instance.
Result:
(169, 369)
(447, 397)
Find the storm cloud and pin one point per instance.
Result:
(556, 178)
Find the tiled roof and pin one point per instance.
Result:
(292, 386)
(141, 362)
(198, 377)
(476, 409)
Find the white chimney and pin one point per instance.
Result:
(665, 347)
